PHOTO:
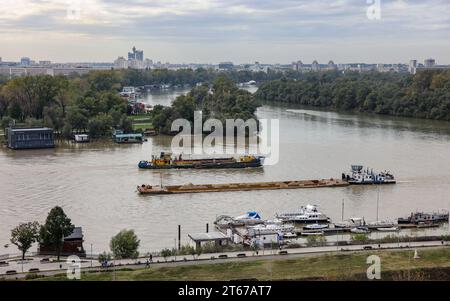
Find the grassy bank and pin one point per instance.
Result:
(434, 264)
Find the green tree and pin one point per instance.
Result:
(100, 126)
(166, 253)
(125, 244)
(104, 257)
(56, 227)
(24, 235)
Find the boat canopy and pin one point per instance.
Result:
(254, 215)
(357, 168)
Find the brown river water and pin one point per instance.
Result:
(96, 183)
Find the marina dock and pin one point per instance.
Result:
(196, 188)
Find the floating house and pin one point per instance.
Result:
(217, 238)
(81, 138)
(73, 245)
(129, 138)
(30, 138)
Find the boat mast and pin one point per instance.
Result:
(342, 209)
(378, 200)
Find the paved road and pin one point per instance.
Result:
(53, 268)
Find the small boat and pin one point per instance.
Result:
(351, 223)
(360, 230)
(315, 227)
(289, 235)
(359, 176)
(306, 215)
(165, 161)
(389, 229)
(315, 233)
(249, 218)
(269, 229)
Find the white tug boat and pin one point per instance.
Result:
(361, 176)
(306, 215)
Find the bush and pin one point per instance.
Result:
(360, 238)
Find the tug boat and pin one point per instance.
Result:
(359, 176)
(166, 161)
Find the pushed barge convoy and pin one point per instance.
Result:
(191, 188)
(165, 161)
(359, 176)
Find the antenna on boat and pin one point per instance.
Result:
(342, 209)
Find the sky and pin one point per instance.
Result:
(241, 31)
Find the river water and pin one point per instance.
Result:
(96, 183)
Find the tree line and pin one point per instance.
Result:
(90, 102)
(222, 100)
(423, 95)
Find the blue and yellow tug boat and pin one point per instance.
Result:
(166, 161)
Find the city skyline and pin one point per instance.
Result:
(201, 31)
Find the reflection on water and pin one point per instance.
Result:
(96, 183)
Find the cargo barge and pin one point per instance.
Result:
(191, 188)
(165, 161)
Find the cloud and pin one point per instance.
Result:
(231, 21)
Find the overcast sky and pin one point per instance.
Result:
(210, 31)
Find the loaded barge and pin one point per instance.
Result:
(165, 161)
(191, 188)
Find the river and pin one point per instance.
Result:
(96, 183)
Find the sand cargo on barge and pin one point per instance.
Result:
(191, 188)
(165, 161)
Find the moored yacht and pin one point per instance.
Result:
(306, 215)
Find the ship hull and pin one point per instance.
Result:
(203, 165)
(371, 183)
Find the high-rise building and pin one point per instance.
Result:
(25, 61)
(331, 66)
(315, 66)
(136, 55)
(226, 66)
(412, 66)
(120, 63)
(429, 63)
